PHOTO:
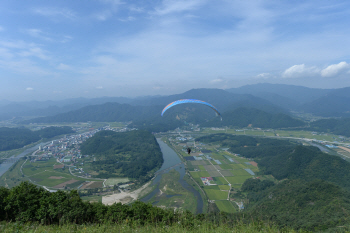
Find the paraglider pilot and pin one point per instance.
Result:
(188, 150)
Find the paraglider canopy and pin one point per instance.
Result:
(194, 101)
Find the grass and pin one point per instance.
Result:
(94, 198)
(225, 166)
(182, 198)
(224, 187)
(237, 179)
(200, 174)
(114, 181)
(235, 166)
(13, 176)
(220, 180)
(216, 194)
(240, 172)
(225, 206)
(126, 226)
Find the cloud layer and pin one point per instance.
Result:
(74, 48)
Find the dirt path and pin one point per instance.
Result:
(124, 197)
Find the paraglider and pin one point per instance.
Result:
(188, 150)
(183, 101)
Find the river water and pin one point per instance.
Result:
(171, 159)
(5, 166)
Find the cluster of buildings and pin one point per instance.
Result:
(66, 149)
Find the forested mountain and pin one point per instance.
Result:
(333, 104)
(103, 113)
(335, 126)
(289, 93)
(13, 138)
(315, 205)
(243, 117)
(130, 154)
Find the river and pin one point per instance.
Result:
(170, 159)
(5, 166)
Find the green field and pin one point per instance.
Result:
(235, 166)
(216, 194)
(220, 180)
(237, 179)
(200, 174)
(225, 206)
(224, 187)
(225, 166)
(40, 172)
(114, 181)
(173, 195)
(240, 172)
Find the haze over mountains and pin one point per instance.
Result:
(271, 98)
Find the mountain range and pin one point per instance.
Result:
(271, 98)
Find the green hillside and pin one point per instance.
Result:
(129, 154)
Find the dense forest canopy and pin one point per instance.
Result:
(336, 126)
(13, 138)
(309, 205)
(129, 154)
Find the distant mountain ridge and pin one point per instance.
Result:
(272, 98)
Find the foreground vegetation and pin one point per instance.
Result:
(128, 226)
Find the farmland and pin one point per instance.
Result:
(43, 173)
(217, 171)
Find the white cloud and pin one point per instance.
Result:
(335, 69)
(34, 52)
(1, 29)
(218, 80)
(62, 66)
(264, 75)
(56, 13)
(37, 33)
(99, 87)
(177, 6)
(29, 89)
(298, 71)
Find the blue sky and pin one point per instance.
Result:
(63, 49)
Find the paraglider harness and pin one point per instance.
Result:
(188, 150)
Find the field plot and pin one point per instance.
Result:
(227, 173)
(225, 166)
(92, 184)
(62, 185)
(214, 173)
(235, 166)
(240, 172)
(200, 174)
(225, 206)
(220, 180)
(114, 181)
(210, 168)
(216, 194)
(224, 187)
(199, 162)
(237, 179)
